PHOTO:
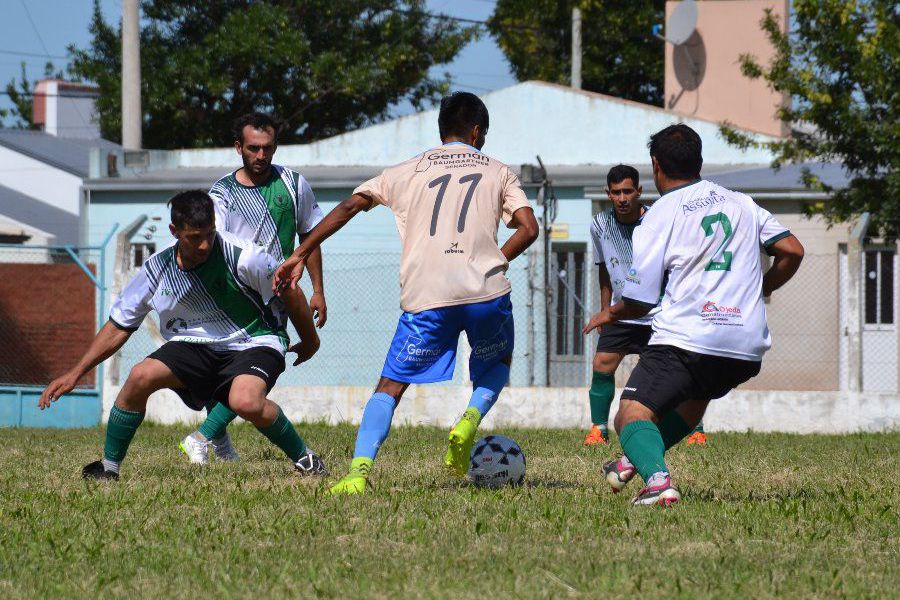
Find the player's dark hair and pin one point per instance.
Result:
(258, 121)
(460, 112)
(620, 173)
(678, 150)
(193, 208)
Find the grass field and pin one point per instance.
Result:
(763, 515)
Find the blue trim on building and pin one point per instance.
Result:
(19, 408)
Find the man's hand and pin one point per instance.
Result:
(598, 321)
(287, 274)
(59, 387)
(319, 308)
(305, 350)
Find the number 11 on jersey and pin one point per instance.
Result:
(443, 181)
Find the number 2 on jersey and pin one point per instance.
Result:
(707, 224)
(443, 181)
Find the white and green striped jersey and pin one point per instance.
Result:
(226, 303)
(612, 247)
(269, 215)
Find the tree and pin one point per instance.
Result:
(620, 57)
(325, 67)
(21, 94)
(839, 65)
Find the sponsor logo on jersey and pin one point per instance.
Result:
(695, 204)
(632, 277)
(613, 261)
(719, 314)
(176, 324)
(453, 249)
(451, 159)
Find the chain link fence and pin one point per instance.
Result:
(49, 306)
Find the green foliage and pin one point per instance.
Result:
(620, 57)
(21, 94)
(839, 66)
(326, 67)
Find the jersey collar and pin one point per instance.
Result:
(681, 187)
(462, 144)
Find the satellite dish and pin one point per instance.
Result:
(682, 23)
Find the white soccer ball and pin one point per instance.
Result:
(496, 460)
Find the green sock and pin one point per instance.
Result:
(217, 420)
(698, 428)
(673, 429)
(282, 434)
(120, 429)
(643, 445)
(603, 388)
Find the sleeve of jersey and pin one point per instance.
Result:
(513, 196)
(256, 269)
(133, 304)
(770, 230)
(309, 214)
(375, 189)
(595, 243)
(643, 283)
(220, 207)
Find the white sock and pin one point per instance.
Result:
(111, 465)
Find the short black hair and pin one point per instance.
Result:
(193, 208)
(620, 173)
(678, 150)
(460, 112)
(257, 120)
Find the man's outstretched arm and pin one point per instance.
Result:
(108, 340)
(288, 274)
(526, 232)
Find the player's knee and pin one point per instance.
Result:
(605, 363)
(246, 402)
(392, 388)
(142, 378)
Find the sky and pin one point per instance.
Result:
(47, 27)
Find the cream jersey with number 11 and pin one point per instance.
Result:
(448, 203)
(700, 244)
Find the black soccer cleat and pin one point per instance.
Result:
(310, 464)
(96, 470)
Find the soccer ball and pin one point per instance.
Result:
(496, 461)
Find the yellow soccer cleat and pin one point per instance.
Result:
(462, 437)
(355, 481)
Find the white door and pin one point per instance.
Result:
(879, 331)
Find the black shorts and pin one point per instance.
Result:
(624, 338)
(207, 374)
(666, 376)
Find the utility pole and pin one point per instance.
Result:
(131, 75)
(576, 48)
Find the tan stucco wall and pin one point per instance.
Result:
(804, 315)
(725, 30)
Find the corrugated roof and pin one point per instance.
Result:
(33, 212)
(69, 154)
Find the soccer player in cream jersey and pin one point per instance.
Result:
(448, 203)
(699, 246)
(224, 329)
(611, 232)
(271, 206)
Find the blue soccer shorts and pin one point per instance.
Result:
(424, 346)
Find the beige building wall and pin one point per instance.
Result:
(804, 316)
(703, 77)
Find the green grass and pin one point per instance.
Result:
(762, 516)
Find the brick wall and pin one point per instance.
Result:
(47, 321)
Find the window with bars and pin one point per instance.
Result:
(879, 287)
(140, 253)
(569, 301)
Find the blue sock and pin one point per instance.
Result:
(375, 425)
(488, 386)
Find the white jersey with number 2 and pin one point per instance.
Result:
(700, 246)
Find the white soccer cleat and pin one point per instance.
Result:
(197, 450)
(223, 450)
(659, 490)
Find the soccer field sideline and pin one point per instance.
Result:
(763, 515)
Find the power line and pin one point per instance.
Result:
(33, 26)
(441, 17)
(33, 54)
